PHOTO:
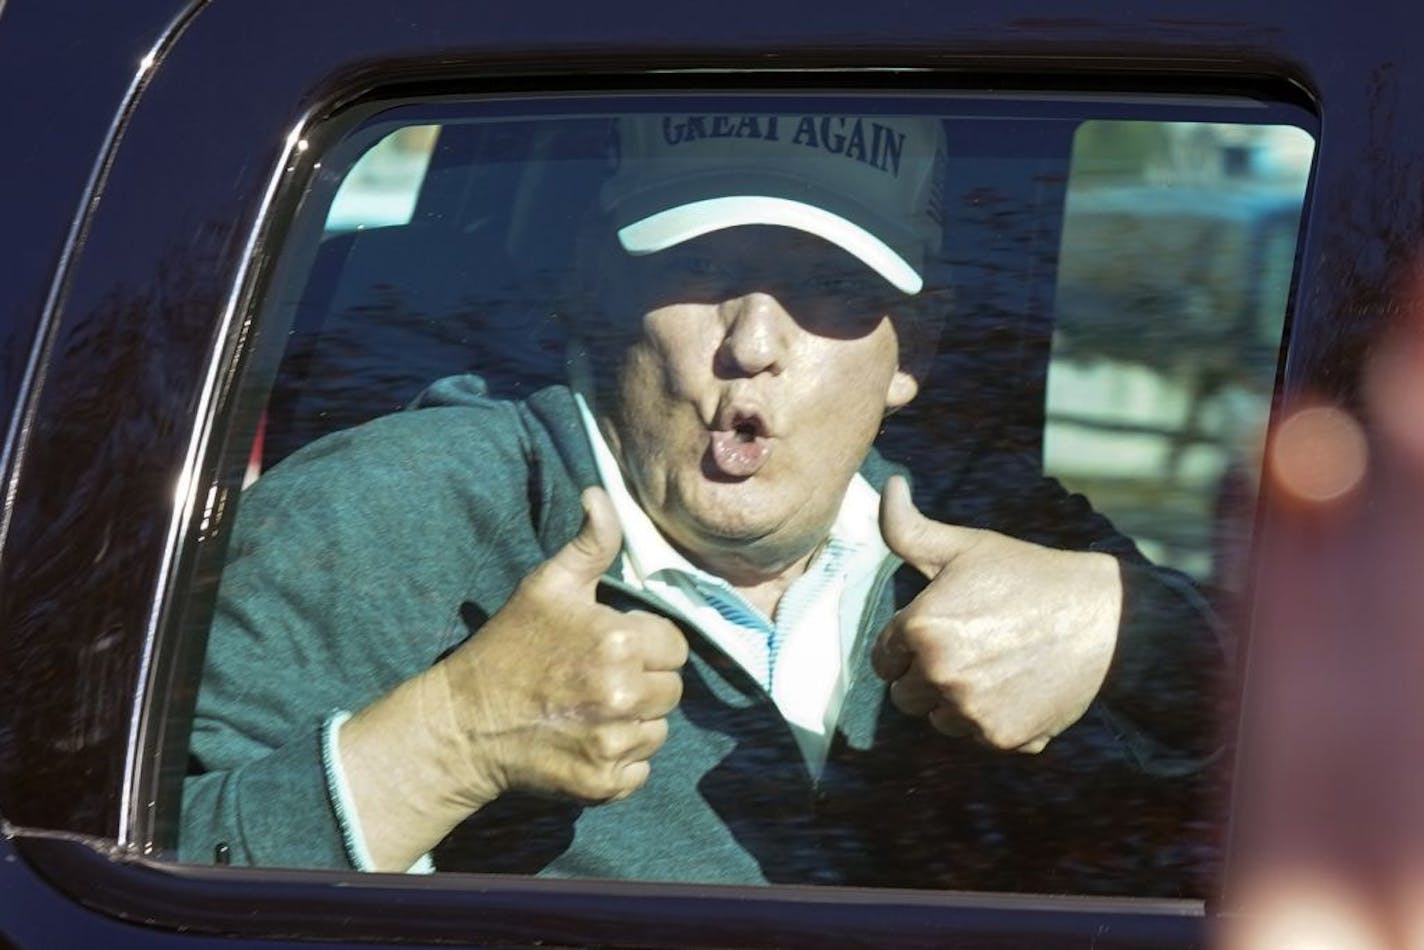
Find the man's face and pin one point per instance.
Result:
(758, 366)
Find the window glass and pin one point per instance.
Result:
(1178, 240)
(381, 188)
(577, 539)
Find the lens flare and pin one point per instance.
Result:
(1319, 454)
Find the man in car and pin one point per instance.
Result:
(642, 626)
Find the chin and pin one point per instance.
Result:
(751, 526)
(730, 530)
(739, 517)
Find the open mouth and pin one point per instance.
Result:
(740, 445)
(748, 428)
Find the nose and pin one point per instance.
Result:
(757, 335)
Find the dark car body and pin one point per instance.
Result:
(142, 172)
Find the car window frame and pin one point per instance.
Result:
(1161, 921)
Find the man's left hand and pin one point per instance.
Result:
(1008, 643)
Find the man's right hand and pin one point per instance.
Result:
(559, 693)
(556, 693)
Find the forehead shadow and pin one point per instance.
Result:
(772, 245)
(818, 281)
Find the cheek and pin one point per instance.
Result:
(857, 424)
(858, 380)
(678, 347)
(845, 413)
(652, 407)
(646, 380)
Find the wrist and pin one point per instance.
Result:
(461, 749)
(407, 775)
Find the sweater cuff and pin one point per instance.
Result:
(344, 805)
(1165, 689)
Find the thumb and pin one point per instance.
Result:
(925, 544)
(592, 551)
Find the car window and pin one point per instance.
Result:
(1178, 242)
(751, 490)
(381, 188)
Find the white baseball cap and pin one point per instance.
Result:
(871, 185)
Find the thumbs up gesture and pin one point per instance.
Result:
(558, 693)
(1008, 643)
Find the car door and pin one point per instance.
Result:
(155, 363)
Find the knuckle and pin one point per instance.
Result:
(661, 636)
(657, 731)
(616, 698)
(945, 679)
(632, 778)
(919, 631)
(598, 783)
(948, 723)
(1000, 736)
(900, 692)
(614, 645)
(678, 646)
(609, 744)
(911, 701)
(906, 706)
(968, 706)
(604, 788)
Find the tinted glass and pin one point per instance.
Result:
(754, 657)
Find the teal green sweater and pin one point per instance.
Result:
(364, 558)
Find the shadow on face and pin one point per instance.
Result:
(827, 291)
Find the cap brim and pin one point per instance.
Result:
(665, 229)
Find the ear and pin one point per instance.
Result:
(903, 387)
(917, 330)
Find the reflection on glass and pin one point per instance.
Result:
(1178, 241)
(381, 188)
(741, 322)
